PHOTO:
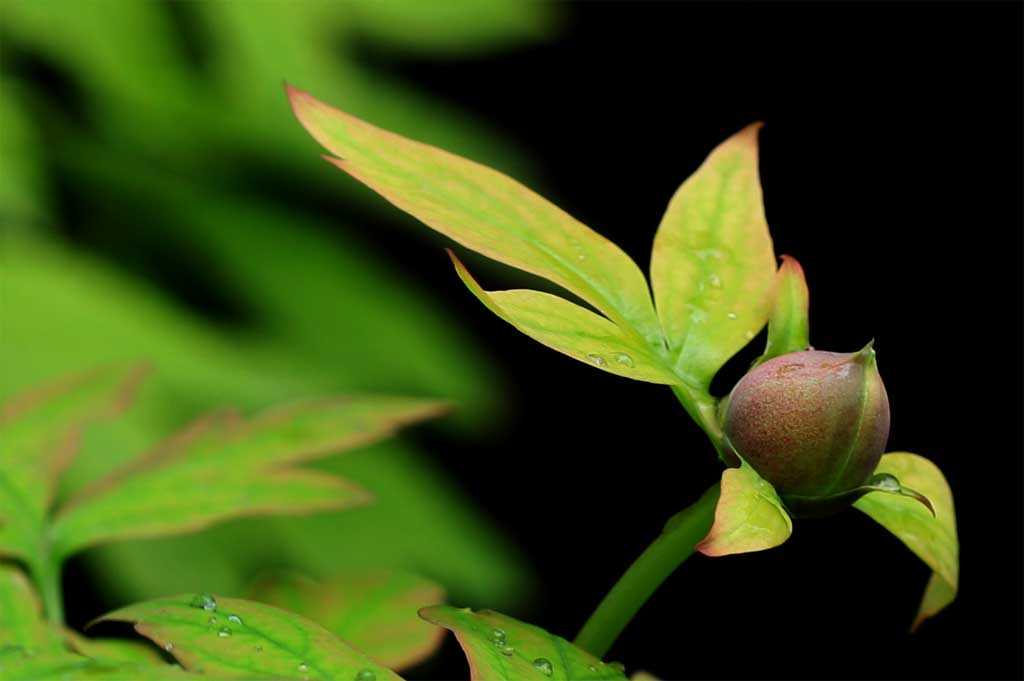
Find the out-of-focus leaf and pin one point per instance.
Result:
(228, 636)
(713, 264)
(749, 516)
(114, 650)
(419, 520)
(572, 330)
(21, 623)
(500, 648)
(39, 434)
(932, 538)
(224, 467)
(486, 211)
(23, 192)
(788, 328)
(373, 611)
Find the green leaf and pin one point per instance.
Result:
(21, 623)
(114, 650)
(749, 516)
(500, 648)
(216, 635)
(932, 538)
(713, 263)
(224, 467)
(788, 328)
(373, 611)
(39, 435)
(572, 330)
(486, 211)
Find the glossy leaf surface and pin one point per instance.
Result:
(233, 637)
(932, 538)
(224, 467)
(374, 611)
(749, 516)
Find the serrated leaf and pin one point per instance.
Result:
(228, 636)
(788, 327)
(373, 611)
(749, 515)
(224, 467)
(713, 264)
(572, 330)
(21, 623)
(500, 648)
(932, 538)
(39, 435)
(486, 211)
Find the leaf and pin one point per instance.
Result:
(572, 330)
(21, 623)
(373, 611)
(485, 211)
(114, 650)
(712, 266)
(788, 328)
(500, 648)
(223, 467)
(932, 538)
(228, 636)
(39, 435)
(749, 516)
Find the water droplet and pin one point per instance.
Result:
(234, 618)
(597, 360)
(303, 667)
(886, 482)
(749, 334)
(543, 665)
(204, 602)
(623, 359)
(715, 281)
(617, 666)
(498, 637)
(731, 315)
(168, 647)
(223, 632)
(366, 675)
(507, 650)
(212, 620)
(592, 667)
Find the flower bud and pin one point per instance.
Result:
(813, 424)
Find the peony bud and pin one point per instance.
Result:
(814, 424)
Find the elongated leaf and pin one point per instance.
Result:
(224, 467)
(15, 665)
(932, 538)
(21, 622)
(788, 328)
(39, 434)
(500, 648)
(228, 636)
(572, 330)
(486, 211)
(373, 611)
(749, 516)
(713, 264)
(114, 650)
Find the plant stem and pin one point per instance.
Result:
(675, 544)
(47, 577)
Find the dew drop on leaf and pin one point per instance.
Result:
(212, 620)
(204, 602)
(366, 675)
(223, 632)
(596, 360)
(731, 315)
(507, 650)
(618, 666)
(303, 667)
(168, 647)
(498, 637)
(234, 618)
(543, 665)
(623, 359)
(715, 281)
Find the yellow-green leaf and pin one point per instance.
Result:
(749, 516)
(486, 211)
(713, 264)
(932, 538)
(39, 434)
(373, 611)
(788, 327)
(500, 648)
(114, 650)
(21, 622)
(225, 467)
(232, 637)
(572, 330)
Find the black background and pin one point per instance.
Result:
(891, 164)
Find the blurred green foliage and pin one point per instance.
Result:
(136, 128)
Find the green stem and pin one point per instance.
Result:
(47, 577)
(675, 544)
